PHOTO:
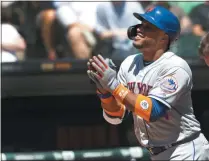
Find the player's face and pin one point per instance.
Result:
(206, 58)
(149, 38)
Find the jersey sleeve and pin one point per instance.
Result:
(171, 86)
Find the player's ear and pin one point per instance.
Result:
(165, 37)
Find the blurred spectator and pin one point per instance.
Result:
(78, 19)
(187, 45)
(5, 4)
(186, 25)
(13, 12)
(204, 48)
(45, 20)
(187, 6)
(12, 43)
(113, 20)
(145, 3)
(200, 19)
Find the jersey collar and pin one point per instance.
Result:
(165, 56)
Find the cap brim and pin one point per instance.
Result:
(138, 16)
(149, 19)
(142, 17)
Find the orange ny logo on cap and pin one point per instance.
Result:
(150, 9)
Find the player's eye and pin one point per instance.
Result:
(147, 28)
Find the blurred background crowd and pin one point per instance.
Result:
(77, 30)
(69, 30)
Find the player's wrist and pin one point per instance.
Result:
(106, 97)
(101, 91)
(120, 92)
(113, 85)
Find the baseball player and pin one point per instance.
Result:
(204, 48)
(156, 87)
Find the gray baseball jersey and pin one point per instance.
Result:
(168, 80)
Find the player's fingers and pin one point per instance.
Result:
(89, 65)
(89, 74)
(90, 60)
(96, 75)
(103, 61)
(98, 69)
(99, 63)
(93, 77)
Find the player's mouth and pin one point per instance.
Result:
(138, 36)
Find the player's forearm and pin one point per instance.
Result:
(137, 103)
(130, 101)
(115, 117)
(114, 111)
(111, 106)
(108, 102)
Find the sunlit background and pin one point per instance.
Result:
(50, 110)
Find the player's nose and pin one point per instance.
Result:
(139, 29)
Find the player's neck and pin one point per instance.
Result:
(150, 56)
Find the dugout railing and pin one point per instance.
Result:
(115, 154)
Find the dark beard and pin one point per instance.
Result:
(138, 46)
(144, 45)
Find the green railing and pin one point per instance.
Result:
(105, 154)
